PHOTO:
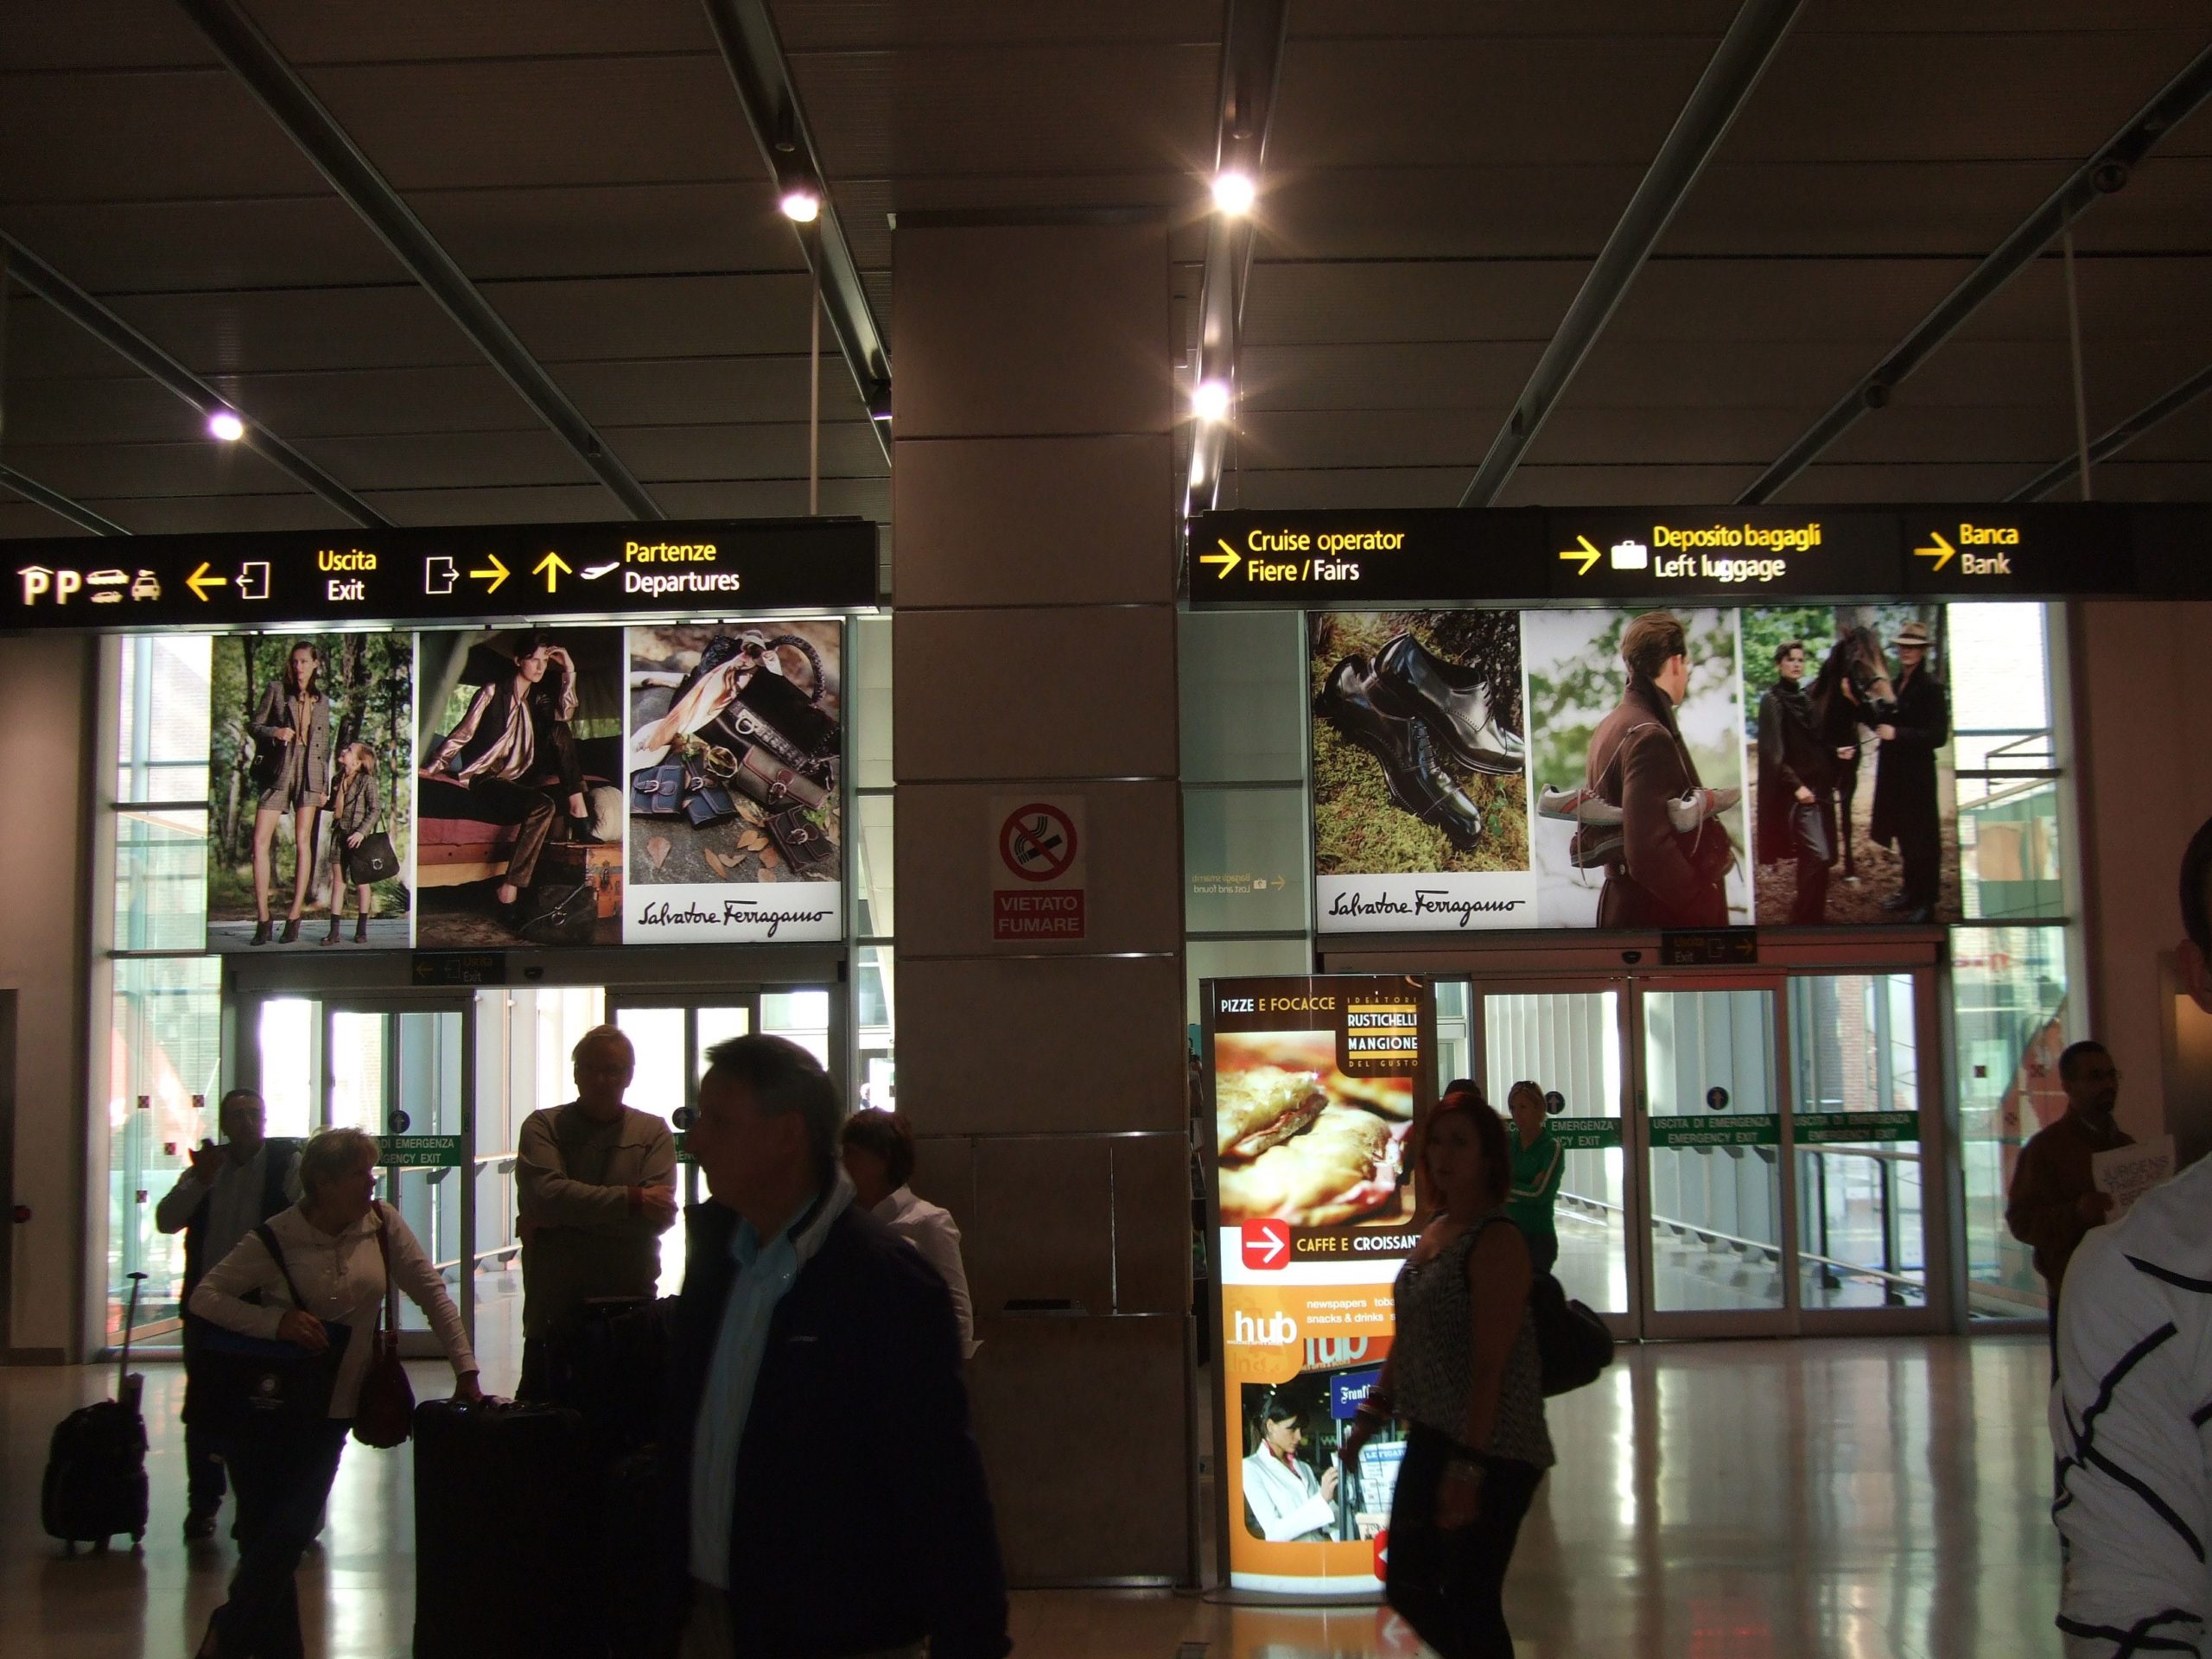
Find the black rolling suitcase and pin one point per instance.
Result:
(502, 1501)
(95, 1484)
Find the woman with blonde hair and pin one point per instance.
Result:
(353, 815)
(346, 1249)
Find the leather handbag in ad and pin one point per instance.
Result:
(384, 1415)
(772, 783)
(803, 842)
(373, 862)
(657, 791)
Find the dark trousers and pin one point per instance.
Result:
(283, 1477)
(1543, 1252)
(532, 1385)
(1920, 849)
(1450, 1586)
(204, 1481)
(532, 810)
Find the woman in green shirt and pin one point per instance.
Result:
(1539, 1161)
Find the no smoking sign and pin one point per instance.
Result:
(1037, 869)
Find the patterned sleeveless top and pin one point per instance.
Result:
(1433, 1362)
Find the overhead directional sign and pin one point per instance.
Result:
(1681, 555)
(362, 577)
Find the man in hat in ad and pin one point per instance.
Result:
(1907, 809)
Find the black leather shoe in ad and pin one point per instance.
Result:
(1413, 683)
(1419, 784)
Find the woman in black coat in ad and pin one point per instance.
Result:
(1908, 811)
(291, 769)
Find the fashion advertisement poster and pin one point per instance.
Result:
(310, 825)
(519, 792)
(1421, 788)
(736, 741)
(1315, 1086)
(1639, 782)
(1847, 729)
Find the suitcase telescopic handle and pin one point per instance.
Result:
(130, 1322)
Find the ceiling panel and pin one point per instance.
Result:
(180, 134)
(818, 26)
(182, 467)
(262, 242)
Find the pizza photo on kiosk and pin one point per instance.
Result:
(1297, 1141)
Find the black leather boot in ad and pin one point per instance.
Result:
(1419, 784)
(1413, 683)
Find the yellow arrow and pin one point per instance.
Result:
(200, 582)
(1587, 554)
(552, 567)
(1227, 559)
(498, 574)
(1943, 552)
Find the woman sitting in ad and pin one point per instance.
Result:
(353, 815)
(1285, 1502)
(1463, 1371)
(291, 767)
(515, 733)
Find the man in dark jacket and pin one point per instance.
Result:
(1796, 795)
(225, 1193)
(828, 1493)
(1661, 877)
(1907, 809)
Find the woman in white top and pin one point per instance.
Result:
(880, 1158)
(283, 1472)
(1285, 1502)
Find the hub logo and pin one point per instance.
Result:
(1278, 1331)
(1267, 1244)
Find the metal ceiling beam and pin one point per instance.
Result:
(254, 59)
(54, 502)
(1251, 74)
(2157, 410)
(757, 69)
(149, 359)
(2102, 174)
(1719, 96)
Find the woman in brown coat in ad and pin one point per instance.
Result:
(1662, 877)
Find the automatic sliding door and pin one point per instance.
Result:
(1713, 1123)
(1568, 1043)
(1855, 1062)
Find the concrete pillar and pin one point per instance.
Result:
(1034, 645)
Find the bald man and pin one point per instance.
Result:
(595, 1184)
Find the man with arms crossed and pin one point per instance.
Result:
(595, 1184)
(2131, 1414)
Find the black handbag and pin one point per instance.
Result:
(253, 1384)
(1810, 826)
(1572, 1343)
(657, 791)
(706, 803)
(373, 862)
(806, 846)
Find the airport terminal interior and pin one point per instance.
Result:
(1164, 587)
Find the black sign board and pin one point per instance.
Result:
(1708, 946)
(459, 967)
(358, 578)
(1343, 559)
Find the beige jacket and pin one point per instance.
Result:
(582, 1234)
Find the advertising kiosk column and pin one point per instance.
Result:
(1316, 1086)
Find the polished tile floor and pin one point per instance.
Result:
(1858, 1498)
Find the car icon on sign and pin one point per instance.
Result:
(145, 585)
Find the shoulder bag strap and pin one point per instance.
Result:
(390, 1313)
(268, 1237)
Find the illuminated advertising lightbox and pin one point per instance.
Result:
(1315, 1086)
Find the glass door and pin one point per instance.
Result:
(402, 1071)
(1709, 1094)
(1569, 1042)
(672, 1035)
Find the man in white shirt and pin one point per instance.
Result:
(2131, 1412)
(226, 1193)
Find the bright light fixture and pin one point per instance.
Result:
(801, 205)
(1233, 192)
(226, 426)
(1209, 401)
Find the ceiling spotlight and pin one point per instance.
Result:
(226, 426)
(1209, 401)
(802, 204)
(1233, 192)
